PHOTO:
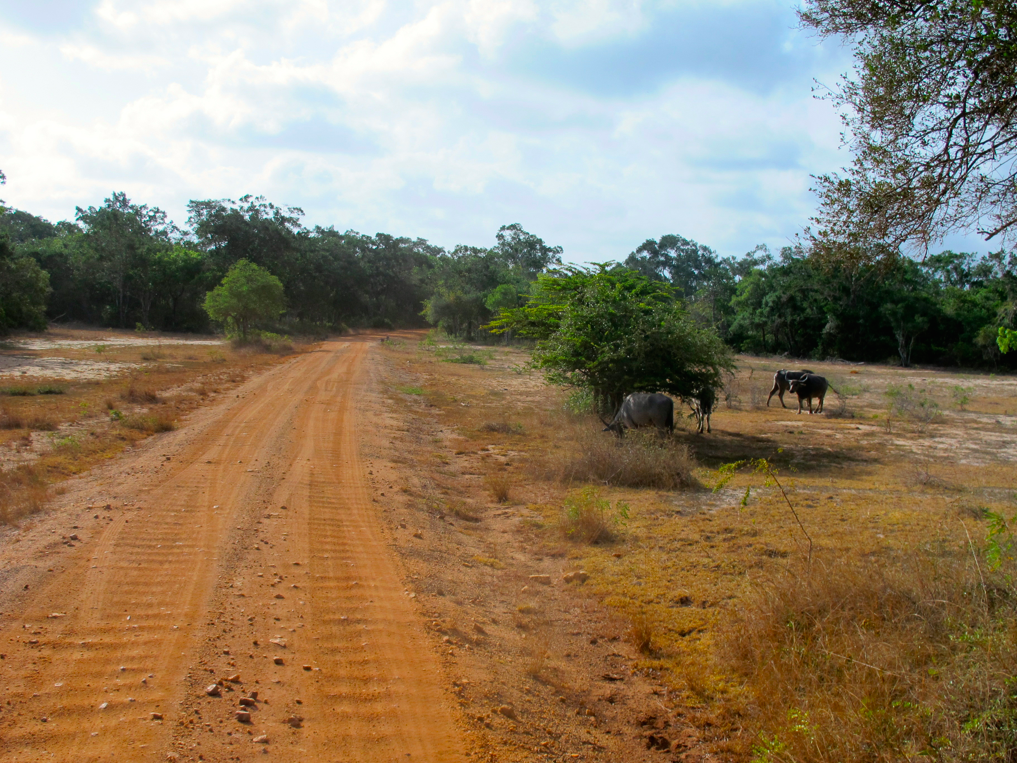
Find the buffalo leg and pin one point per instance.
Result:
(779, 392)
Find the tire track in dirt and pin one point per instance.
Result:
(157, 609)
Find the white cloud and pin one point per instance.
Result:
(402, 119)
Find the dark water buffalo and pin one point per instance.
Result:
(809, 386)
(781, 381)
(702, 407)
(643, 409)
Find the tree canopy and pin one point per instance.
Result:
(931, 110)
(247, 294)
(614, 331)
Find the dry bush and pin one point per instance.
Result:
(11, 419)
(641, 632)
(22, 492)
(588, 518)
(840, 409)
(462, 510)
(499, 485)
(887, 660)
(641, 458)
(138, 394)
(152, 423)
(756, 400)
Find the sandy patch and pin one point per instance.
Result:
(14, 366)
(78, 344)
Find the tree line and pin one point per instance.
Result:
(127, 265)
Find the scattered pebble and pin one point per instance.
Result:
(296, 721)
(156, 716)
(243, 716)
(279, 661)
(542, 579)
(262, 739)
(213, 690)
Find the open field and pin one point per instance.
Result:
(401, 554)
(689, 574)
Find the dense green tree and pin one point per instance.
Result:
(122, 239)
(932, 116)
(248, 294)
(614, 331)
(24, 287)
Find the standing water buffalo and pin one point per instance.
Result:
(702, 407)
(809, 386)
(781, 381)
(643, 409)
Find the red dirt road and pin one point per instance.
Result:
(244, 549)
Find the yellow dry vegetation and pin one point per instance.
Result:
(54, 428)
(854, 613)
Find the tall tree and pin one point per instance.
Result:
(24, 287)
(248, 294)
(614, 331)
(931, 111)
(123, 237)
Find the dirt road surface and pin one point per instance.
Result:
(240, 557)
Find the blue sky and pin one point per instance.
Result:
(596, 124)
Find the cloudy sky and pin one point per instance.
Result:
(596, 124)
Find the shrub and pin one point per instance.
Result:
(499, 485)
(18, 391)
(149, 423)
(879, 660)
(50, 389)
(587, 517)
(911, 405)
(137, 394)
(641, 459)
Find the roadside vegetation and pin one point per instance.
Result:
(53, 429)
(863, 612)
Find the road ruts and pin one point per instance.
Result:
(210, 578)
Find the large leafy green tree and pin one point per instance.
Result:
(248, 294)
(614, 331)
(123, 238)
(932, 115)
(24, 287)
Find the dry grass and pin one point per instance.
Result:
(151, 423)
(499, 485)
(588, 518)
(888, 660)
(78, 410)
(135, 393)
(13, 419)
(23, 491)
(640, 459)
(641, 632)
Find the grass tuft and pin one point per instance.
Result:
(588, 518)
(640, 459)
(499, 485)
(138, 394)
(151, 423)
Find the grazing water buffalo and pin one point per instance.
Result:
(702, 407)
(781, 381)
(643, 409)
(809, 386)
